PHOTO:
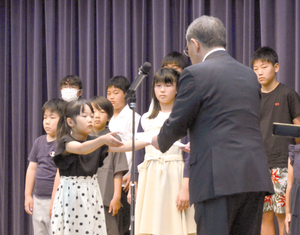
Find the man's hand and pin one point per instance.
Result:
(186, 148)
(155, 143)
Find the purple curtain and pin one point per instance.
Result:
(42, 41)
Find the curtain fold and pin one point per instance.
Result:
(41, 41)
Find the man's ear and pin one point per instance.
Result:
(70, 122)
(276, 67)
(196, 44)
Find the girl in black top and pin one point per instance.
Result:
(77, 206)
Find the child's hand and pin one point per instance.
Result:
(111, 141)
(126, 180)
(287, 222)
(129, 196)
(114, 206)
(28, 204)
(129, 193)
(183, 199)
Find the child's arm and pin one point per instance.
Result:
(287, 196)
(29, 184)
(297, 122)
(91, 145)
(183, 197)
(55, 187)
(115, 203)
(138, 144)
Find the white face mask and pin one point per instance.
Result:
(69, 94)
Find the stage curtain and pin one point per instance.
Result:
(41, 41)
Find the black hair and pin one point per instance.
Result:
(265, 54)
(72, 110)
(55, 105)
(165, 75)
(176, 58)
(100, 102)
(71, 80)
(119, 82)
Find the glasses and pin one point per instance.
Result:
(186, 51)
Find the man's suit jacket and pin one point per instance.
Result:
(218, 102)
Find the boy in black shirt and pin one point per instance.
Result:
(278, 104)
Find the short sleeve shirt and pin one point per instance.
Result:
(280, 105)
(42, 152)
(75, 164)
(112, 164)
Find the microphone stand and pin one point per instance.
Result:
(132, 183)
(143, 72)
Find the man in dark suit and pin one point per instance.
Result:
(218, 103)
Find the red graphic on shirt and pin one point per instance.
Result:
(277, 104)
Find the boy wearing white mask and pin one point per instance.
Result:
(70, 88)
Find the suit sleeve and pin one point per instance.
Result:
(184, 112)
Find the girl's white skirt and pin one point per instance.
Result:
(78, 207)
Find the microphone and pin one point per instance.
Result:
(143, 72)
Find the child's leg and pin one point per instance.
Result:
(275, 203)
(267, 225)
(279, 202)
(40, 216)
(280, 219)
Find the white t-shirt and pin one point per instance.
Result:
(123, 124)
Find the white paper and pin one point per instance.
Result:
(179, 144)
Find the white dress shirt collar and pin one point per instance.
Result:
(212, 51)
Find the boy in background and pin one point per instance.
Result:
(114, 167)
(41, 170)
(121, 121)
(175, 60)
(70, 88)
(278, 104)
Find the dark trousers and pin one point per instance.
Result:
(125, 213)
(230, 215)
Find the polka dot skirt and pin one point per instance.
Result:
(78, 207)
